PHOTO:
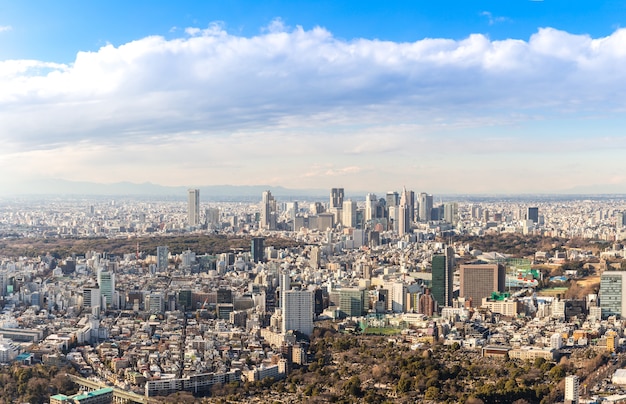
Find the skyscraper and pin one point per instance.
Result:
(298, 311)
(212, 218)
(612, 300)
(392, 198)
(443, 272)
(106, 280)
(91, 296)
(533, 214)
(257, 248)
(479, 280)
(425, 207)
(193, 207)
(349, 213)
(268, 211)
(451, 213)
(162, 258)
(336, 198)
(404, 213)
(370, 207)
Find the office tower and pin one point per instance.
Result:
(392, 215)
(404, 214)
(392, 199)
(315, 257)
(155, 302)
(352, 301)
(425, 207)
(533, 214)
(398, 297)
(193, 207)
(162, 258)
(4, 277)
(443, 272)
(427, 304)
(91, 296)
(325, 221)
(336, 198)
(318, 301)
(284, 284)
(612, 300)
(223, 295)
(451, 213)
(571, 390)
(316, 208)
(291, 209)
(268, 212)
(256, 249)
(410, 197)
(184, 300)
(620, 222)
(106, 280)
(298, 311)
(480, 280)
(371, 202)
(213, 218)
(349, 213)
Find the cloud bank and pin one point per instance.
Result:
(289, 96)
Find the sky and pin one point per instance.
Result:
(505, 97)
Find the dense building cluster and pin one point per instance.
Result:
(157, 322)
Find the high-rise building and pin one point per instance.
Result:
(451, 213)
(572, 393)
(371, 202)
(425, 207)
(268, 212)
(155, 302)
(349, 213)
(533, 214)
(336, 198)
(404, 213)
(162, 258)
(352, 301)
(392, 198)
(612, 301)
(256, 249)
(106, 280)
(91, 296)
(298, 311)
(212, 218)
(443, 272)
(480, 280)
(427, 304)
(193, 207)
(620, 221)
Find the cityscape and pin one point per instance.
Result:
(154, 301)
(312, 202)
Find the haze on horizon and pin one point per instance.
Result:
(483, 110)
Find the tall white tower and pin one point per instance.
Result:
(571, 390)
(349, 213)
(298, 311)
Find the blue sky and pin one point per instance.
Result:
(449, 96)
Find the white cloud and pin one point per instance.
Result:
(493, 19)
(308, 98)
(5, 28)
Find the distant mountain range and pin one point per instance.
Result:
(59, 187)
(147, 189)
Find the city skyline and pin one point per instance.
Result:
(472, 99)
